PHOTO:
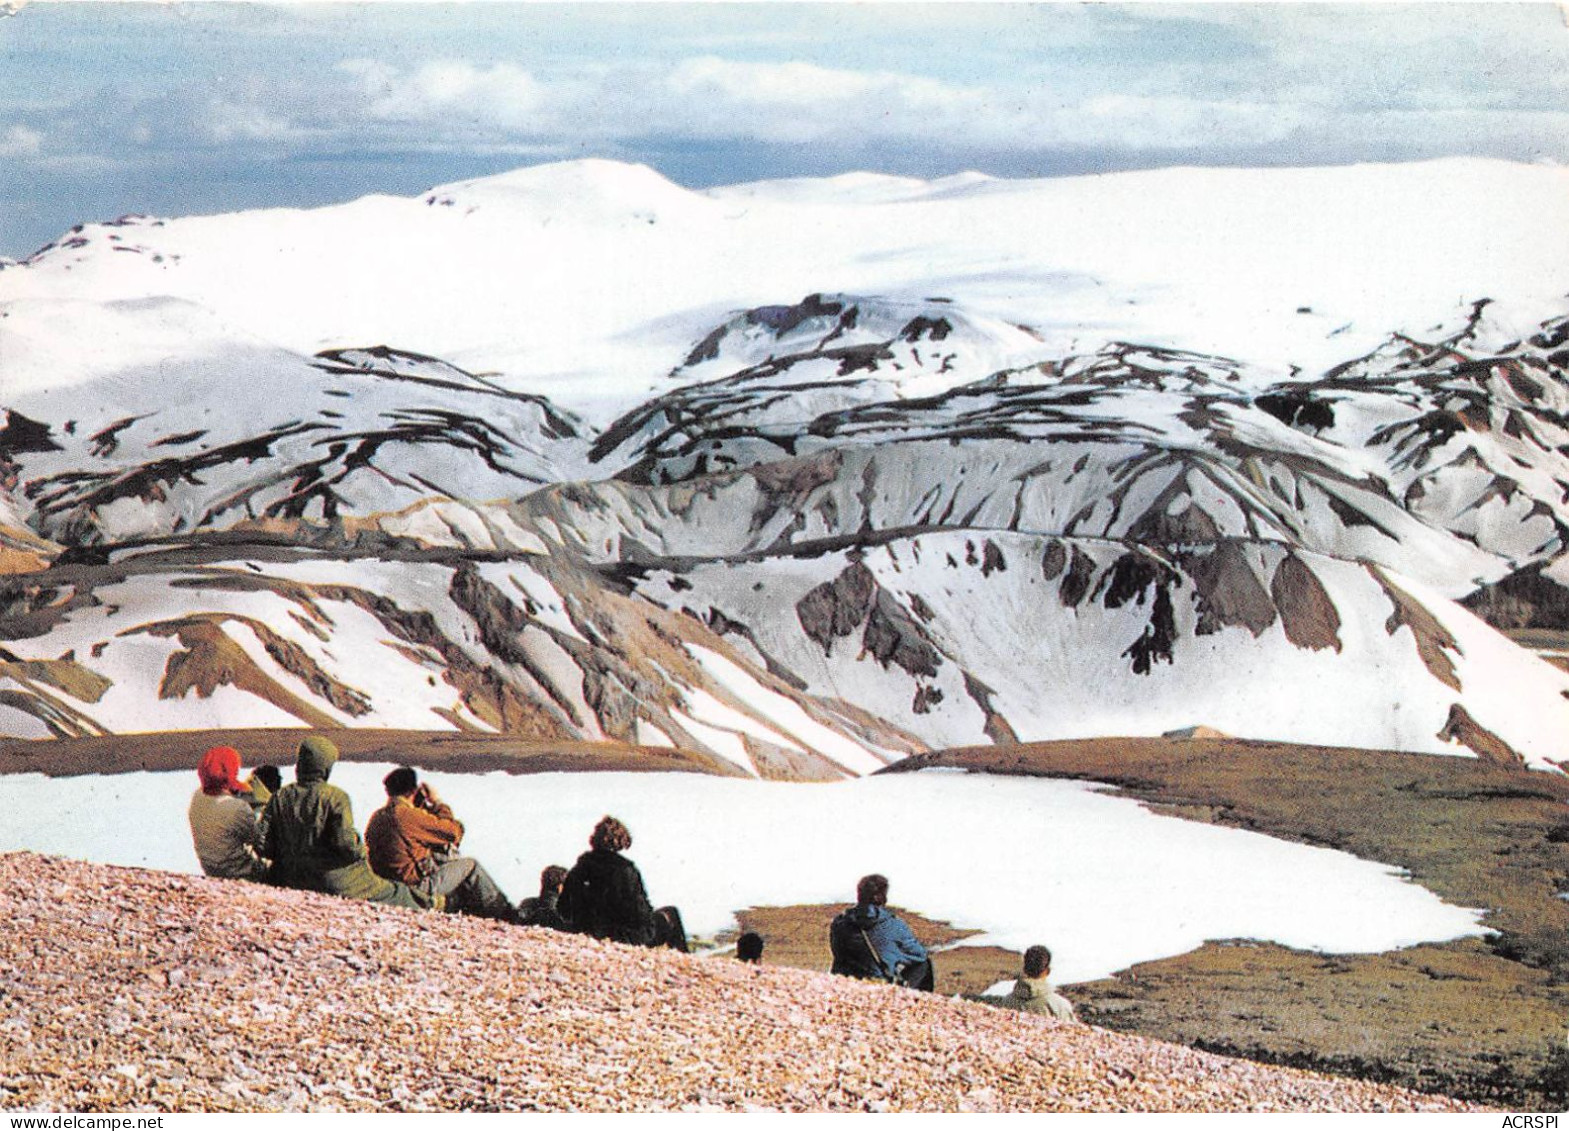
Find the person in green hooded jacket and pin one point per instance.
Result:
(308, 833)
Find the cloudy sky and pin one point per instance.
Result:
(172, 108)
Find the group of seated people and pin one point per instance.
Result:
(303, 836)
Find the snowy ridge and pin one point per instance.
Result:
(200, 429)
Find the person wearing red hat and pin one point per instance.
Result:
(224, 828)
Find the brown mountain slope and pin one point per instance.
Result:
(127, 989)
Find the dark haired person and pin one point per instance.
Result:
(543, 910)
(264, 782)
(603, 895)
(1034, 993)
(749, 948)
(308, 833)
(414, 838)
(869, 941)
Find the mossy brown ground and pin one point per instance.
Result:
(448, 751)
(1480, 1018)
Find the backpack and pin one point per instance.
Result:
(853, 952)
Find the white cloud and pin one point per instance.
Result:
(734, 91)
(790, 83)
(501, 94)
(800, 102)
(20, 141)
(1176, 122)
(223, 122)
(704, 99)
(439, 104)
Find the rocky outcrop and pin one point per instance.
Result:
(1460, 727)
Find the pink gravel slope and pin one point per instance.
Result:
(126, 989)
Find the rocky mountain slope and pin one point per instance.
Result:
(669, 500)
(132, 990)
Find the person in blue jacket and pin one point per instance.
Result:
(869, 941)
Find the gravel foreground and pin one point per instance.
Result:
(124, 989)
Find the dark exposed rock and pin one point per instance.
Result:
(31, 606)
(298, 663)
(892, 637)
(106, 440)
(724, 625)
(1527, 598)
(178, 439)
(482, 689)
(614, 705)
(1154, 645)
(838, 607)
(1352, 516)
(75, 498)
(783, 319)
(58, 717)
(211, 660)
(387, 363)
(1189, 527)
(785, 484)
(1131, 576)
(1227, 591)
(1307, 612)
(708, 348)
(1054, 560)
(855, 359)
(22, 434)
(1298, 409)
(1434, 642)
(778, 763)
(921, 326)
(926, 697)
(1081, 575)
(1416, 439)
(996, 727)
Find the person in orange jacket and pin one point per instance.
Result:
(414, 839)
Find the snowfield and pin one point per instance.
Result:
(598, 276)
(1102, 880)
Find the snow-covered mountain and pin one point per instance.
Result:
(589, 281)
(198, 427)
(803, 474)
